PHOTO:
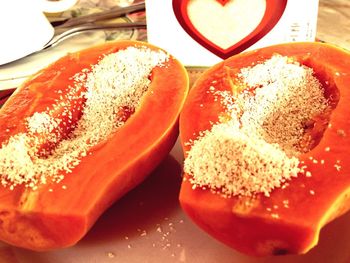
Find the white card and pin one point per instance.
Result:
(203, 32)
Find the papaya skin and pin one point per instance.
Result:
(58, 215)
(250, 225)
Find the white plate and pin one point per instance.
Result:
(13, 74)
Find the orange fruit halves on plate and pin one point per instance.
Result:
(81, 133)
(266, 136)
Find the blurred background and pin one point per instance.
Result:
(333, 26)
(333, 23)
(333, 19)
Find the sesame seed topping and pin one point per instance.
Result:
(287, 96)
(285, 185)
(276, 216)
(239, 164)
(337, 167)
(341, 133)
(117, 82)
(256, 150)
(286, 203)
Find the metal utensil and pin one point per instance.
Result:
(85, 23)
(81, 28)
(113, 12)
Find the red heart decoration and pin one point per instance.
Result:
(223, 2)
(273, 12)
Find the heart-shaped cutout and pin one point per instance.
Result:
(223, 2)
(227, 27)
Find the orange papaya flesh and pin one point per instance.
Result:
(264, 225)
(56, 215)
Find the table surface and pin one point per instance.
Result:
(147, 225)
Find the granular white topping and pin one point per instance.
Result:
(256, 151)
(233, 162)
(41, 122)
(286, 98)
(119, 80)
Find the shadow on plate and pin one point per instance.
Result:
(156, 199)
(333, 245)
(142, 208)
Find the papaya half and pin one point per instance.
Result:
(288, 220)
(54, 207)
